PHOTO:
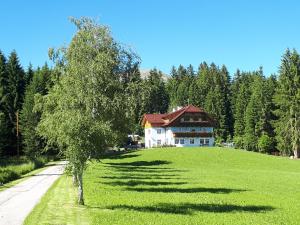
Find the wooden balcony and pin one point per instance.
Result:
(193, 134)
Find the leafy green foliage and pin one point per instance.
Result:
(84, 112)
(265, 144)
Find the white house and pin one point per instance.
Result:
(187, 126)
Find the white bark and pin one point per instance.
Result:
(80, 189)
(296, 153)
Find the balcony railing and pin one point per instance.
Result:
(193, 134)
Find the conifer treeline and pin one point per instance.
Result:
(242, 106)
(18, 119)
(257, 112)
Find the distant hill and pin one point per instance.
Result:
(145, 74)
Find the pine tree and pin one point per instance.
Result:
(226, 92)
(171, 87)
(214, 105)
(4, 120)
(159, 99)
(15, 96)
(253, 116)
(240, 104)
(287, 99)
(29, 119)
(204, 82)
(29, 75)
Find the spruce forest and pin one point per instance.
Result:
(258, 112)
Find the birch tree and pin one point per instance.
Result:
(84, 112)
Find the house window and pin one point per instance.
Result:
(193, 130)
(192, 141)
(186, 118)
(158, 131)
(176, 141)
(158, 142)
(201, 141)
(181, 141)
(206, 141)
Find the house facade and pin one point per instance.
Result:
(186, 126)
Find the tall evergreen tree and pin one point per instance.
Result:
(29, 75)
(226, 92)
(29, 119)
(15, 96)
(253, 116)
(287, 99)
(159, 99)
(204, 82)
(4, 120)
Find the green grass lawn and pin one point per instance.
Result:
(179, 186)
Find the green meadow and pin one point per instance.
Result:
(178, 186)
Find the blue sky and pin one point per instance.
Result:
(238, 33)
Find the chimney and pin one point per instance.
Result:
(176, 108)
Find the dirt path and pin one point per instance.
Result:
(17, 202)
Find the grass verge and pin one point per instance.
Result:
(13, 170)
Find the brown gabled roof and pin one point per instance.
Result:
(167, 119)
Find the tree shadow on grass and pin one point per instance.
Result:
(121, 156)
(141, 163)
(131, 183)
(190, 209)
(144, 169)
(153, 176)
(186, 190)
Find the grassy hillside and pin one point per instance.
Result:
(179, 186)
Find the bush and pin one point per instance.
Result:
(250, 143)
(265, 144)
(238, 142)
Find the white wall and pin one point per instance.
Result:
(196, 142)
(152, 136)
(166, 136)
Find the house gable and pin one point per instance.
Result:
(192, 119)
(186, 116)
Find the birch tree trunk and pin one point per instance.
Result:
(296, 152)
(74, 177)
(80, 188)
